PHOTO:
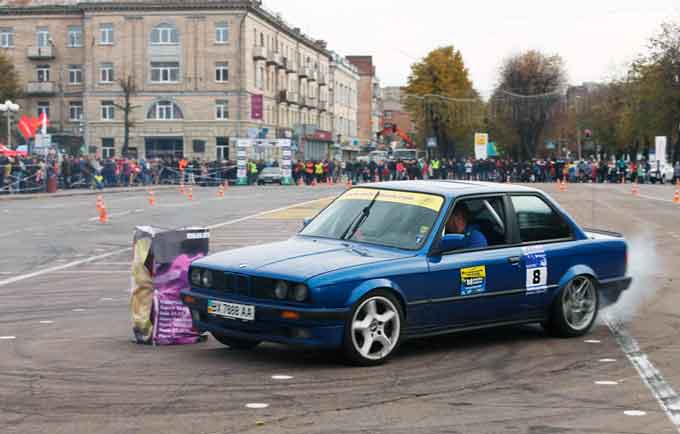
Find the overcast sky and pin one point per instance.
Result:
(596, 38)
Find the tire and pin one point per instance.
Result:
(385, 333)
(235, 343)
(569, 321)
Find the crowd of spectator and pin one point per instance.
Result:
(30, 174)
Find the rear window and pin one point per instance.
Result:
(537, 221)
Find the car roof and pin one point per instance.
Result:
(452, 189)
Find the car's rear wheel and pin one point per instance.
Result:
(238, 344)
(575, 309)
(373, 333)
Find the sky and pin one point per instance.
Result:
(596, 38)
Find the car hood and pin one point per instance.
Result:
(297, 259)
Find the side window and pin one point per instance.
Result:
(537, 221)
(485, 215)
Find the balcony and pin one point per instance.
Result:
(260, 53)
(323, 105)
(40, 53)
(43, 88)
(312, 75)
(304, 72)
(291, 67)
(323, 80)
(311, 103)
(275, 58)
(291, 97)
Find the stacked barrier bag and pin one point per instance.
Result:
(160, 267)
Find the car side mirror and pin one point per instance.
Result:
(451, 242)
(306, 222)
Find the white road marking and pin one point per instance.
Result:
(635, 413)
(127, 249)
(256, 405)
(592, 341)
(7, 338)
(607, 383)
(281, 377)
(607, 360)
(78, 310)
(107, 299)
(46, 322)
(651, 377)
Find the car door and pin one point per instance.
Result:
(479, 286)
(547, 248)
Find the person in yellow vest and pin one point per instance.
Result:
(318, 171)
(252, 172)
(436, 166)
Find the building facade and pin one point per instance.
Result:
(369, 111)
(345, 80)
(394, 112)
(190, 76)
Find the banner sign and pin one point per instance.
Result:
(256, 107)
(481, 146)
(491, 150)
(242, 161)
(661, 142)
(242, 148)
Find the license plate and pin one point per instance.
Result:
(231, 310)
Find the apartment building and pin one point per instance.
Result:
(190, 76)
(345, 100)
(369, 111)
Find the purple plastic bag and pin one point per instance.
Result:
(172, 319)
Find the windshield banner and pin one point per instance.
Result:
(422, 200)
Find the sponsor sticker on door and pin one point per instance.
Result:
(473, 280)
(536, 269)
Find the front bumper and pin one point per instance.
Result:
(323, 328)
(611, 290)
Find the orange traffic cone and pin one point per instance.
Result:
(103, 216)
(190, 196)
(676, 197)
(220, 191)
(100, 202)
(152, 198)
(635, 191)
(181, 188)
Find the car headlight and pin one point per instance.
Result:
(300, 293)
(207, 279)
(281, 290)
(196, 276)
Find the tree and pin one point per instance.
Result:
(129, 89)
(442, 100)
(528, 96)
(9, 87)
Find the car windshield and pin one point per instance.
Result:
(376, 216)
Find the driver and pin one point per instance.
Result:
(458, 224)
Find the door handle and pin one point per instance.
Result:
(514, 260)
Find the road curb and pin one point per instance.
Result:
(30, 196)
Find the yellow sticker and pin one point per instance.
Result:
(473, 280)
(423, 200)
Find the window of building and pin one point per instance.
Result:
(6, 37)
(222, 148)
(108, 110)
(221, 33)
(164, 34)
(44, 107)
(75, 74)
(165, 72)
(43, 37)
(108, 147)
(222, 110)
(43, 73)
(75, 36)
(75, 111)
(222, 71)
(261, 39)
(106, 34)
(106, 73)
(164, 111)
(537, 221)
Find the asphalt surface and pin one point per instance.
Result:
(67, 364)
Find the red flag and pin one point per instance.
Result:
(26, 127)
(44, 122)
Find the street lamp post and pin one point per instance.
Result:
(9, 107)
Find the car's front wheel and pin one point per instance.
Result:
(373, 333)
(235, 343)
(575, 309)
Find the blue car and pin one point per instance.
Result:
(399, 260)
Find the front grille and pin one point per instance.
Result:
(256, 287)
